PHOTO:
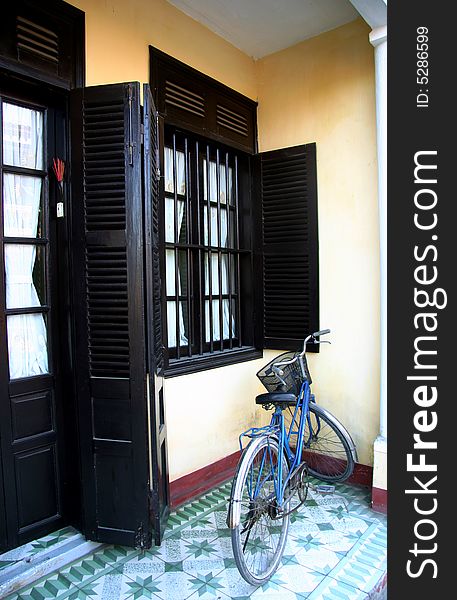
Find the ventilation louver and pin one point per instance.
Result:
(38, 40)
(180, 97)
(232, 120)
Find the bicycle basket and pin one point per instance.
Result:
(292, 375)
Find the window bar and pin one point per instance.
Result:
(188, 241)
(176, 241)
(229, 255)
(43, 309)
(208, 202)
(199, 240)
(238, 279)
(219, 243)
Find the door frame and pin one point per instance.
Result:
(19, 74)
(54, 105)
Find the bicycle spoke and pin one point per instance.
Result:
(260, 538)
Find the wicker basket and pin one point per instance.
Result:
(292, 375)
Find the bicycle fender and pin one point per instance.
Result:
(343, 430)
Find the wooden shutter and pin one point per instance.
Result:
(290, 246)
(108, 232)
(158, 458)
(43, 40)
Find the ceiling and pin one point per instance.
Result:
(260, 27)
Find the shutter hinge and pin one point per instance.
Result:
(130, 129)
(157, 148)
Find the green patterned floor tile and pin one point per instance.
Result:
(357, 574)
(96, 565)
(330, 589)
(113, 585)
(174, 586)
(53, 538)
(55, 586)
(6, 563)
(297, 578)
(311, 556)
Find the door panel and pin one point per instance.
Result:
(31, 398)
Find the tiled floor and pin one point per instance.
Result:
(336, 550)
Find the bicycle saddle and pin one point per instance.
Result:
(283, 398)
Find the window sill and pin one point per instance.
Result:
(204, 362)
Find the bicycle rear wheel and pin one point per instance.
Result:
(328, 453)
(326, 448)
(259, 539)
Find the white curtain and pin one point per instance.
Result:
(170, 265)
(27, 339)
(22, 136)
(213, 240)
(180, 172)
(213, 182)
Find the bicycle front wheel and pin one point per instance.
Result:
(259, 538)
(327, 451)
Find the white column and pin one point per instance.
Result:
(378, 37)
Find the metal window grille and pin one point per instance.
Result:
(203, 254)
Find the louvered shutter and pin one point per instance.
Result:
(290, 246)
(158, 459)
(107, 222)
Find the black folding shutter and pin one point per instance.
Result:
(109, 307)
(158, 459)
(290, 246)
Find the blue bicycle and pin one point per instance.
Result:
(271, 480)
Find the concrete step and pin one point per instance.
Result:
(25, 565)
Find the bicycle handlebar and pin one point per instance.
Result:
(321, 332)
(275, 368)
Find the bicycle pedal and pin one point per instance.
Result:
(325, 489)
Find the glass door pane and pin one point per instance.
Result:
(24, 262)
(27, 345)
(25, 275)
(22, 136)
(22, 207)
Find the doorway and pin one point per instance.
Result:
(39, 472)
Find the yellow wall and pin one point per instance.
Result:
(118, 33)
(321, 90)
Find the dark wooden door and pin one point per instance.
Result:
(37, 484)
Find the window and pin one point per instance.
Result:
(208, 251)
(240, 239)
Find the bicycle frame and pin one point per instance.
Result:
(277, 428)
